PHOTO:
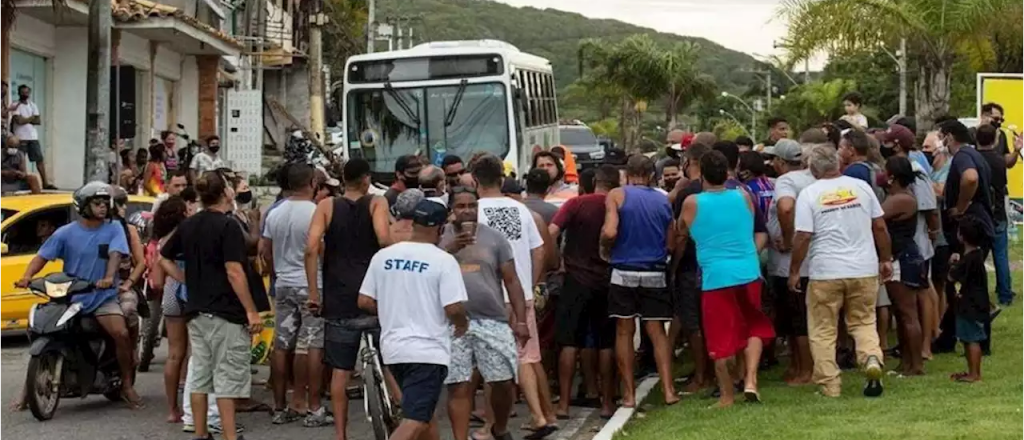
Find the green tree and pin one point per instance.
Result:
(934, 30)
(686, 83)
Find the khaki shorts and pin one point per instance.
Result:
(220, 357)
(111, 307)
(529, 353)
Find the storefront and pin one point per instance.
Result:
(33, 71)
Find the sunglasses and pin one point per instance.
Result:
(459, 173)
(463, 189)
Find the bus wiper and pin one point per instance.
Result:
(449, 118)
(401, 103)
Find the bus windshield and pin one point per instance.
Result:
(385, 124)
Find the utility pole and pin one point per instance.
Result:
(768, 82)
(260, 34)
(316, 69)
(902, 61)
(371, 26)
(97, 94)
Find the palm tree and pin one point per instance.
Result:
(685, 81)
(635, 67)
(934, 30)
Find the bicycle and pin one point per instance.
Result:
(380, 409)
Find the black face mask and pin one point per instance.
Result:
(411, 182)
(244, 197)
(670, 184)
(997, 123)
(930, 157)
(888, 152)
(214, 148)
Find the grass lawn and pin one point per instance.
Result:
(929, 407)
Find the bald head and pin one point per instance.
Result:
(432, 178)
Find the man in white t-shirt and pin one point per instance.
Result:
(297, 329)
(790, 307)
(416, 289)
(208, 159)
(520, 226)
(24, 119)
(840, 229)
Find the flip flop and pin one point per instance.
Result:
(475, 419)
(562, 417)
(752, 396)
(542, 433)
(133, 404)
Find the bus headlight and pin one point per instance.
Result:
(597, 155)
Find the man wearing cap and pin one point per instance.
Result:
(402, 210)
(417, 329)
(790, 307)
(672, 152)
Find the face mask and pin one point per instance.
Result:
(412, 182)
(214, 148)
(671, 183)
(888, 152)
(244, 197)
(997, 123)
(12, 151)
(929, 156)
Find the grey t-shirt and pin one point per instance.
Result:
(926, 201)
(788, 185)
(481, 271)
(546, 210)
(287, 226)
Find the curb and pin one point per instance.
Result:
(622, 415)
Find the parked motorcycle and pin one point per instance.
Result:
(72, 356)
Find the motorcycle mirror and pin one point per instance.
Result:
(3, 248)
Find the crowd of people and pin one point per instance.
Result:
(730, 254)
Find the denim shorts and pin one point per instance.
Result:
(969, 330)
(342, 338)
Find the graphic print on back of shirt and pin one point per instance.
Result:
(506, 220)
(840, 198)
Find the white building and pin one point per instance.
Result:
(176, 51)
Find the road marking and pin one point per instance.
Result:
(570, 429)
(622, 415)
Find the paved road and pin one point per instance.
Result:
(95, 418)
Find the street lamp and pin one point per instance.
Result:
(731, 116)
(753, 112)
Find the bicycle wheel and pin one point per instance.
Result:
(376, 409)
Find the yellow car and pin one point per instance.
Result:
(27, 221)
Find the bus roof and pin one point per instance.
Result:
(511, 53)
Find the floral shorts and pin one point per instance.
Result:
(489, 346)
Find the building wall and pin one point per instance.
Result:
(66, 50)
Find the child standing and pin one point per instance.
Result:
(852, 103)
(972, 302)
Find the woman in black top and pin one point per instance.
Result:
(908, 267)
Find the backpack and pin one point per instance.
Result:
(875, 173)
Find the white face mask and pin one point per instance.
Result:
(12, 151)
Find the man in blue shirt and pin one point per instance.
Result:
(91, 249)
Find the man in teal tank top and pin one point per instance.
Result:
(721, 223)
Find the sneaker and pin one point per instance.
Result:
(219, 429)
(188, 427)
(318, 418)
(873, 372)
(284, 416)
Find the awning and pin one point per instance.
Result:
(180, 36)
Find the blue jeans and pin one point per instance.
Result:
(1001, 259)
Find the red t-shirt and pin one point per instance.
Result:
(581, 219)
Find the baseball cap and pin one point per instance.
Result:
(429, 214)
(787, 150)
(687, 140)
(406, 204)
(676, 147)
(899, 135)
(511, 185)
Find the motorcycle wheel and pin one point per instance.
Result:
(42, 397)
(149, 336)
(379, 416)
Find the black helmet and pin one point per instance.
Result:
(84, 195)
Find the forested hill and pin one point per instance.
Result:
(549, 33)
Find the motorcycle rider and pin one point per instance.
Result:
(91, 249)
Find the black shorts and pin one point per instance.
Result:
(790, 308)
(583, 311)
(646, 303)
(940, 265)
(421, 389)
(342, 339)
(687, 295)
(33, 150)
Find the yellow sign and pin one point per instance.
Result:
(1006, 90)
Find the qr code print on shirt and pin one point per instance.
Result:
(506, 220)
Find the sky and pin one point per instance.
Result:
(749, 26)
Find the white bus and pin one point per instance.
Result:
(451, 97)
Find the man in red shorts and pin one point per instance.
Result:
(721, 223)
